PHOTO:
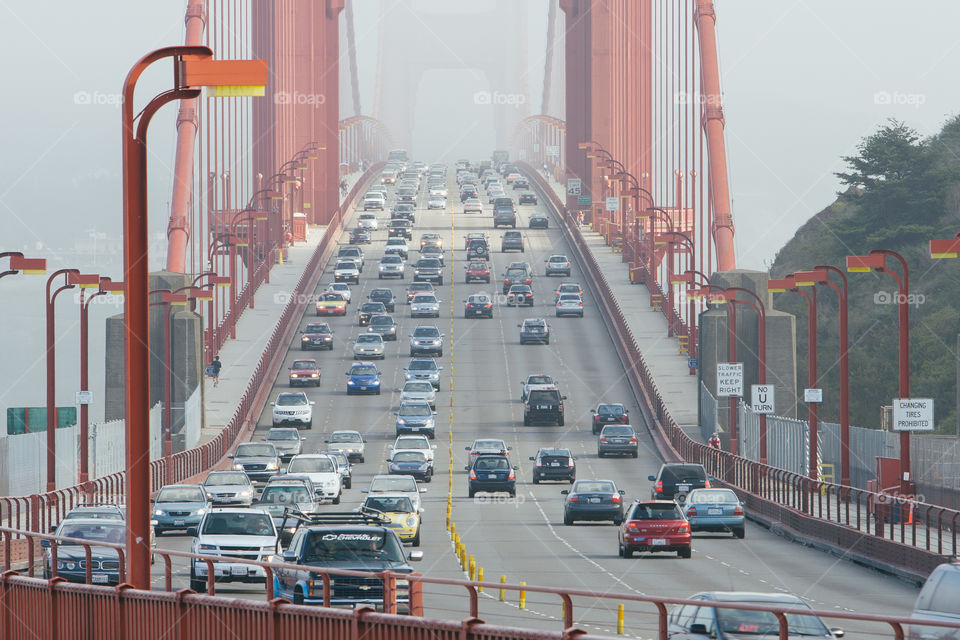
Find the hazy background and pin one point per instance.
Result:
(804, 81)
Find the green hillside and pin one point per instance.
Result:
(900, 191)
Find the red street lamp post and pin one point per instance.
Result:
(676, 279)
(843, 302)
(877, 261)
(759, 307)
(18, 263)
(167, 298)
(52, 374)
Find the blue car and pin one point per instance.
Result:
(715, 510)
(178, 507)
(416, 416)
(409, 462)
(363, 378)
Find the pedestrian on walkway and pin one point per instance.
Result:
(580, 219)
(215, 367)
(343, 187)
(714, 441)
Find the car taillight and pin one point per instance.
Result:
(633, 526)
(487, 306)
(570, 462)
(659, 488)
(633, 440)
(706, 484)
(603, 439)
(473, 474)
(738, 511)
(684, 528)
(527, 281)
(692, 511)
(615, 497)
(529, 295)
(507, 281)
(538, 464)
(573, 498)
(581, 304)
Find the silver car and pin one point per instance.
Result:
(569, 304)
(390, 266)
(424, 370)
(617, 439)
(350, 443)
(369, 346)
(228, 487)
(419, 390)
(384, 325)
(287, 441)
(427, 341)
(425, 304)
(347, 271)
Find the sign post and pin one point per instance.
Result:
(913, 414)
(762, 398)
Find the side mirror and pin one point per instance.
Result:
(466, 468)
(423, 490)
(532, 458)
(622, 492)
(593, 410)
(516, 467)
(651, 478)
(433, 446)
(416, 556)
(565, 492)
(434, 413)
(561, 397)
(229, 455)
(315, 402)
(53, 528)
(389, 458)
(698, 629)
(509, 448)
(152, 501)
(837, 632)
(364, 490)
(327, 441)
(273, 404)
(290, 556)
(303, 438)
(44, 543)
(420, 510)
(192, 532)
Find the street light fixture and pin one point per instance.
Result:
(18, 263)
(50, 299)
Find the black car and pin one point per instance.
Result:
(317, 335)
(478, 306)
(593, 500)
(400, 229)
(675, 480)
(368, 310)
(504, 201)
(534, 330)
(520, 295)
(386, 297)
(539, 221)
(478, 249)
(359, 236)
(512, 241)
(515, 275)
(411, 463)
(492, 473)
(608, 413)
(71, 558)
(428, 270)
(504, 216)
(521, 183)
(528, 198)
(554, 464)
(403, 211)
(384, 325)
(543, 405)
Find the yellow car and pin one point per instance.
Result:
(404, 519)
(331, 304)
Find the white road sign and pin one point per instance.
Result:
(573, 186)
(729, 379)
(84, 397)
(553, 150)
(813, 395)
(762, 398)
(913, 414)
(613, 204)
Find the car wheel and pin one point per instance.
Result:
(536, 480)
(361, 458)
(618, 520)
(157, 531)
(526, 421)
(685, 553)
(378, 391)
(561, 423)
(601, 454)
(620, 549)
(416, 539)
(471, 493)
(200, 586)
(298, 596)
(567, 520)
(634, 454)
(739, 532)
(379, 276)
(465, 315)
(337, 499)
(348, 483)
(627, 552)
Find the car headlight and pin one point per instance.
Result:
(68, 565)
(401, 421)
(206, 547)
(159, 512)
(351, 382)
(201, 511)
(411, 521)
(272, 465)
(237, 466)
(245, 493)
(305, 339)
(328, 339)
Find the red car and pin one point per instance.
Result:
(655, 526)
(418, 287)
(478, 270)
(304, 372)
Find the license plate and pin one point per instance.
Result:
(100, 578)
(658, 541)
(179, 523)
(414, 428)
(238, 571)
(491, 475)
(714, 512)
(554, 464)
(594, 500)
(362, 388)
(540, 406)
(683, 488)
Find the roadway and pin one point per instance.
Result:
(525, 539)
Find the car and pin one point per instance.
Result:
(472, 205)
(477, 270)
(390, 267)
(675, 480)
(593, 500)
(72, 558)
(367, 221)
(400, 229)
(404, 519)
(722, 623)
(538, 220)
(437, 202)
(411, 463)
(397, 246)
(304, 372)
(228, 487)
(715, 509)
(344, 467)
(937, 602)
(384, 325)
(655, 526)
(317, 335)
(486, 446)
(467, 194)
(527, 198)
(178, 507)
(544, 405)
(520, 183)
(349, 443)
(388, 177)
(406, 194)
(431, 240)
(418, 287)
(426, 340)
(363, 378)
(288, 442)
(428, 270)
(259, 460)
(615, 439)
(504, 201)
(516, 275)
(479, 305)
(351, 252)
(569, 304)
(233, 532)
(425, 305)
(366, 544)
(323, 473)
(404, 211)
(495, 194)
(520, 295)
(374, 201)
(567, 287)
(478, 250)
(391, 484)
(292, 408)
(369, 346)
(95, 512)
(416, 416)
(513, 177)
(424, 369)
(359, 236)
(554, 464)
(492, 473)
(384, 296)
(431, 251)
(417, 390)
(341, 288)
(558, 265)
(504, 216)
(332, 304)
(381, 189)
(367, 310)
(536, 381)
(535, 330)
(608, 413)
(346, 271)
(414, 442)
(286, 494)
(439, 191)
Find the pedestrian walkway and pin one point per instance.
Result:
(649, 327)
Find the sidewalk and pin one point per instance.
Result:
(662, 354)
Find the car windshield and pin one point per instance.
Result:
(394, 483)
(712, 496)
(104, 531)
(311, 465)
(491, 463)
(317, 328)
(391, 260)
(181, 494)
(610, 410)
(285, 435)
(381, 319)
(225, 479)
(765, 623)
(570, 297)
(479, 299)
(410, 456)
(324, 546)
(400, 504)
(488, 444)
(426, 332)
(422, 365)
(381, 293)
(425, 298)
(683, 472)
(248, 523)
(416, 410)
(543, 396)
(346, 265)
(304, 364)
(334, 297)
(478, 266)
(617, 431)
(516, 273)
(539, 380)
(421, 286)
(520, 288)
(368, 216)
(291, 399)
(253, 450)
(411, 443)
(429, 263)
(363, 370)
(285, 495)
(657, 511)
(369, 338)
(345, 437)
(594, 486)
(95, 514)
(371, 306)
(558, 258)
(417, 387)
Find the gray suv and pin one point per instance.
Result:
(426, 341)
(259, 460)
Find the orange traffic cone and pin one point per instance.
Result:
(910, 514)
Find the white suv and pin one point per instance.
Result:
(414, 442)
(292, 408)
(233, 533)
(323, 473)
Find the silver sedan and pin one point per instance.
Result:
(417, 390)
(369, 346)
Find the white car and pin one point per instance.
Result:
(323, 473)
(374, 201)
(414, 442)
(390, 266)
(425, 304)
(347, 271)
(473, 205)
(350, 443)
(369, 346)
(292, 408)
(342, 288)
(436, 202)
(235, 532)
(406, 485)
(440, 192)
(399, 245)
(367, 221)
(416, 390)
(570, 304)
